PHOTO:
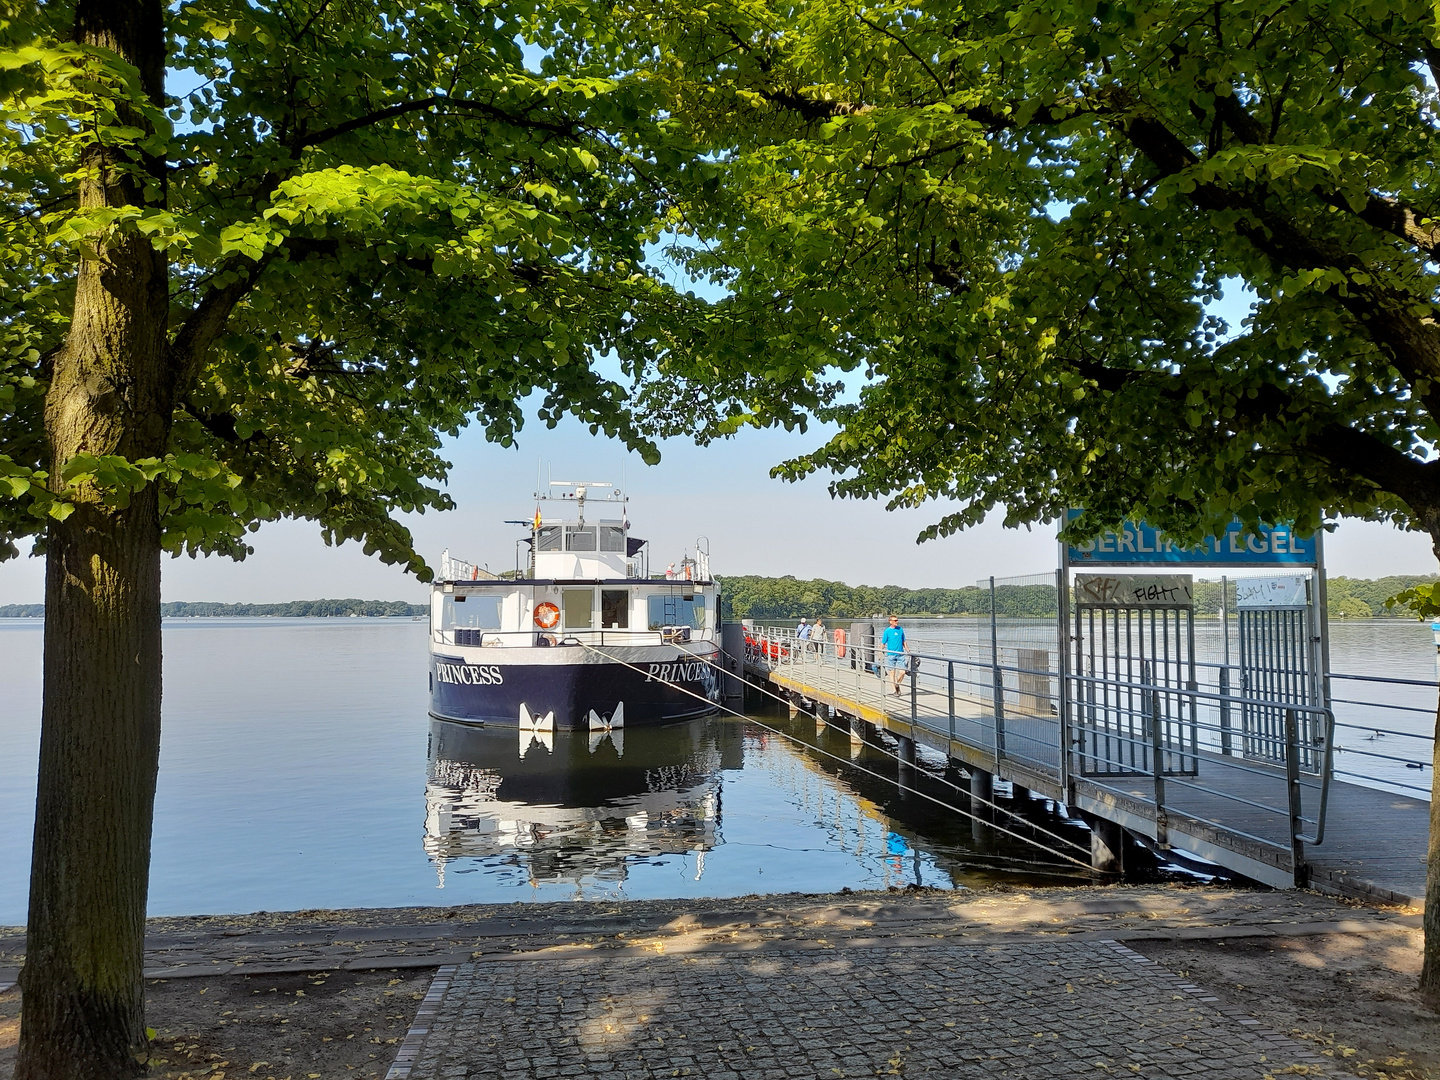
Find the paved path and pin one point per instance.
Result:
(1021, 1010)
(367, 939)
(1005, 983)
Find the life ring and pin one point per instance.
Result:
(547, 615)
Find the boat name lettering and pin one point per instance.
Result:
(692, 672)
(469, 674)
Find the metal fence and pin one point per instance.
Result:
(1180, 734)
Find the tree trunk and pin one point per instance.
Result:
(109, 393)
(1430, 969)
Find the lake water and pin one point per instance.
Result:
(299, 769)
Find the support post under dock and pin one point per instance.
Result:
(907, 763)
(1107, 845)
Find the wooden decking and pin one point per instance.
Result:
(1229, 810)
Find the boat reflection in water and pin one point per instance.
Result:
(575, 806)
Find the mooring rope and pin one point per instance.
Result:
(860, 768)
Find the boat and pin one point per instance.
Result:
(581, 636)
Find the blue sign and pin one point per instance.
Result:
(1138, 544)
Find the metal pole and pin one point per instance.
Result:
(997, 678)
(1062, 667)
(1322, 619)
(1292, 782)
(950, 693)
(1151, 699)
(1226, 740)
(1225, 616)
(914, 666)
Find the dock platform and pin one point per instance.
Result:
(1227, 809)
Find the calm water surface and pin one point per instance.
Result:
(299, 768)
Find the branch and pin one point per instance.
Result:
(814, 108)
(404, 108)
(1389, 215)
(1355, 451)
(1380, 463)
(906, 46)
(1388, 317)
(207, 319)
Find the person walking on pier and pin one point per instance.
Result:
(896, 662)
(817, 637)
(802, 640)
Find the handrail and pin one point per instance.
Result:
(1384, 679)
(782, 645)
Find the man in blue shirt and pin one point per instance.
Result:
(802, 641)
(896, 662)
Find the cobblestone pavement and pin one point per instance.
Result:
(202, 946)
(1015, 1010)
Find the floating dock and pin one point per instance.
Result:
(1270, 820)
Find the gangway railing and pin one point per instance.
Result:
(498, 639)
(1051, 726)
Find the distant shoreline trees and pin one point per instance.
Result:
(755, 597)
(293, 609)
(750, 596)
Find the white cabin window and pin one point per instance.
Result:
(612, 538)
(549, 538)
(580, 538)
(675, 610)
(578, 608)
(476, 611)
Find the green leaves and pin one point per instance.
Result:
(1031, 212)
(1422, 600)
(381, 226)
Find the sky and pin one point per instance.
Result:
(752, 524)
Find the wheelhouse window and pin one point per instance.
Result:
(577, 606)
(549, 538)
(477, 611)
(614, 609)
(612, 538)
(675, 610)
(580, 538)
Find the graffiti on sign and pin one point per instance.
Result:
(1134, 590)
(1271, 592)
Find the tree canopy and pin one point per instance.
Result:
(381, 224)
(1015, 221)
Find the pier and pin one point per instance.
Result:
(1158, 758)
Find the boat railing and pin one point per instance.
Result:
(472, 638)
(453, 569)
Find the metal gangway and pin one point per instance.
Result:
(1142, 738)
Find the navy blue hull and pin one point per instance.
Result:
(493, 694)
